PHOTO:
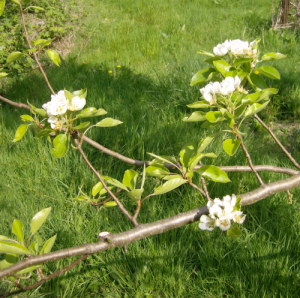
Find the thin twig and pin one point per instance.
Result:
(138, 208)
(199, 189)
(120, 205)
(45, 278)
(278, 142)
(205, 189)
(34, 54)
(250, 162)
(15, 104)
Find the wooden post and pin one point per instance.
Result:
(285, 5)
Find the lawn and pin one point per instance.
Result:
(136, 59)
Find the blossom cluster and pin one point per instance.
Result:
(236, 47)
(59, 105)
(227, 86)
(221, 213)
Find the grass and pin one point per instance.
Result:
(155, 43)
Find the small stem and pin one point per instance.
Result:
(205, 189)
(199, 189)
(34, 54)
(28, 240)
(120, 205)
(138, 208)
(290, 196)
(45, 278)
(250, 162)
(278, 142)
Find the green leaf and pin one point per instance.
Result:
(40, 112)
(110, 204)
(83, 125)
(237, 206)
(13, 248)
(27, 118)
(194, 161)
(91, 112)
(272, 56)
(214, 117)
(3, 74)
(239, 111)
(230, 146)
(12, 258)
(208, 124)
(28, 270)
(157, 170)
(39, 219)
(169, 185)
(270, 72)
(129, 178)
(3, 237)
(213, 173)
(4, 264)
(61, 146)
(266, 93)
(135, 194)
(222, 66)
(35, 7)
(108, 122)
(14, 56)
(16, 1)
(171, 177)
(257, 82)
(251, 98)
(114, 182)
(17, 229)
(82, 198)
(97, 187)
(234, 232)
(48, 245)
(82, 93)
(166, 159)
(205, 142)
(202, 76)
(144, 176)
(195, 117)
(38, 42)
(239, 61)
(187, 152)
(199, 105)
(68, 95)
(34, 247)
(53, 55)
(20, 132)
(206, 53)
(255, 108)
(2, 6)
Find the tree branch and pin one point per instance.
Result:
(150, 229)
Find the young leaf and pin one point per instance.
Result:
(20, 132)
(187, 152)
(205, 142)
(272, 56)
(214, 117)
(213, 173)
(114, 182)
(83, 125)
(17, 229)
(195, 117)
(157, 170)
(13, 248)
(14, 56)
(91, 112)
(27, 118)
(61, 146)
(166, 159)
(230, 146)
(257, 81)
(234, 232)
(202, 76)
(255, 108)
(135, 194)
(169, 185)
(110, 204)
(3, 237)
(239, 61)
(129, 178)
(35, 7)
(97, 187)
(270, 72)
(222, 66)
(82, 93)
(2, 6)
(108, 122)
(194, 161)
(28, 270)
(3, 74)
(198, 105)
(206, 53)
(237, 206)
(48, 245)
(53, 55)
(39, 219)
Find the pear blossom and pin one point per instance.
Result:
(56, 123)
(207, 223)
(222, 48)
(58, 105)
(223, 223)
(76, 104)
(237, 217)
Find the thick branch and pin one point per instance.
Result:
(15, 104)
(150, 229)
(34, 54)
(294, 162)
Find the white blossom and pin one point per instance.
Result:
(237, 217)
(58, 104)
(223, 223)
(77, 103)
(206, 223)
(56, 123)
